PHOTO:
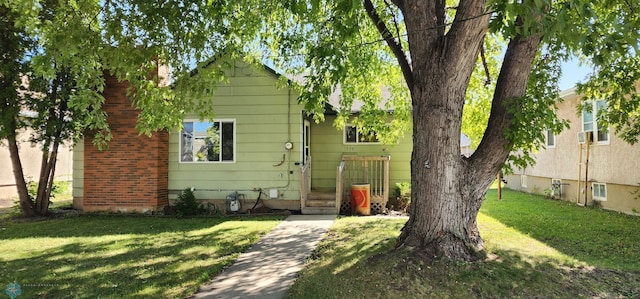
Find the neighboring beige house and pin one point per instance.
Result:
(604, 172)
(31, 157)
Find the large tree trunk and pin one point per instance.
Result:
(448, 189)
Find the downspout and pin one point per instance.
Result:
(586, 169)
(579, 175)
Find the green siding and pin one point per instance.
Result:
(264, 122)
(327, 149)
(265, 118)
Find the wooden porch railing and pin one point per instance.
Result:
(339, 185)
(305, 182)
(372, 170)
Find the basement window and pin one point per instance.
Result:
(599, 191)
(556, 188)
(208, 141)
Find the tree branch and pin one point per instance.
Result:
(392, 42)
(395, 19)
(511, 85)
(486, 67)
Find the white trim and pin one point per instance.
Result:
(303, 141)
(523, 181)
(568, 92)
(220, 120)
(593, 193)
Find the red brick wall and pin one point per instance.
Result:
(132, 174)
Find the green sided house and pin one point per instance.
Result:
(261, 149)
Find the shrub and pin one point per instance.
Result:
(187, 205)
(402, 197)
(58, 188)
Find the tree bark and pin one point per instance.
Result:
(448, 189)
(47, 172)
(26, 204)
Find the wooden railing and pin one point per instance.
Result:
(363, 170)
(339, 185)
(305, 182)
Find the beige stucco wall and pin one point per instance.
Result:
(31, 157)
(615, 163)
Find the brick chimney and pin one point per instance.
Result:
(132, 174)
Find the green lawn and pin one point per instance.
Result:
(537, 248)
(97, 256)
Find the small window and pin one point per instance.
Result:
(551, 139)
(352, 135)
(523, 181)
(599, 191)
(207, 141)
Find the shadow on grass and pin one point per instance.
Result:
(95, 225)
(109, 257)
(599, 237)
(356, 262)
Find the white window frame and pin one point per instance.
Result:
(549, 133)
(593, 123)
(598, 197)
(523, 181)
(220, 120)
(357, 142)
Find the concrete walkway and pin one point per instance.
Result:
(270, 267)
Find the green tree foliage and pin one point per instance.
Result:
(61, 51)
(57, 74)
(13, 45)
(421, 58)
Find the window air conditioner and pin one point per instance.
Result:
(584, 136)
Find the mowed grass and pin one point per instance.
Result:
(537, 248)
(98, 256)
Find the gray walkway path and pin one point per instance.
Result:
(269, 268)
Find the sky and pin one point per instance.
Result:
(573, 73)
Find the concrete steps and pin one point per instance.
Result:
(319, 211)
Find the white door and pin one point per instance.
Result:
(306, 142)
